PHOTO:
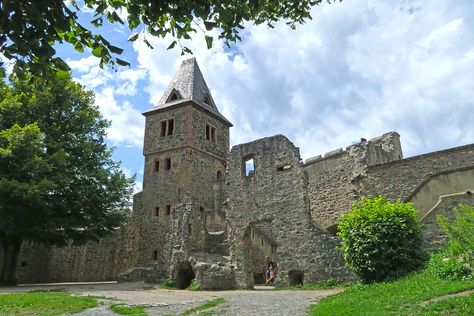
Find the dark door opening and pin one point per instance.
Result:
(295, 277)
(184, 276)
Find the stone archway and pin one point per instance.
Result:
(257, 243)
(184, 275)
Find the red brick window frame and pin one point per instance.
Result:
(211, 133)
(167, 127)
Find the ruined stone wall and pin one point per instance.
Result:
(278, 197)
(332, 178)
(94, 261)
(401, 179)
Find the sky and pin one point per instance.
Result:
(359, 68)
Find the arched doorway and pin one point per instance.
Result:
(184, 275)
(258, 243)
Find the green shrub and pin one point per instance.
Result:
(169, 283)
(456, 261)
(381, 240)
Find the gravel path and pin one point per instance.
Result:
(262, 301)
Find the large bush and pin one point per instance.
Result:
(456, 260)
(381, 240)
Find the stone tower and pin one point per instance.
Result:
(185, 147)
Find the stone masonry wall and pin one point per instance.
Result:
(153, 142)
(331, 178)
(279, 198)
(94, 261)
(221, 147)
(196, 164)
(400, 179)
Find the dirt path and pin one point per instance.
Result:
(261, 301)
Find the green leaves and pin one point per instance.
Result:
(209, 40)
(29, 29)
(57, 180)
(381, 240)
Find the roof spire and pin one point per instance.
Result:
(188, 84)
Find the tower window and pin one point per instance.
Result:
(210, 133)
(157, 166)
(168, 164)
(207, 99)
(166, 127)
(174, 95)
(155, 255)
(168, 209)
(157, 211)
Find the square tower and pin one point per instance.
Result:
(185, 147)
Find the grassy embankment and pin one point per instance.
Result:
(418, 294)
(44, 303)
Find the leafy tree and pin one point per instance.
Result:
(381, 240)
(58, 183)
(30, 28)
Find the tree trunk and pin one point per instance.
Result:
(11, 251)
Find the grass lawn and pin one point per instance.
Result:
(315, 286)
(408, 296)
(43, 303)
(122, 309)
(200, 310)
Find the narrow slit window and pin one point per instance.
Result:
(170, 127)
(208, 132)
(168, 209)
(163, 129)
(213, 134)
(157, 166)
(157, 211)
(155, 255)
(168, 164)
(284, 168)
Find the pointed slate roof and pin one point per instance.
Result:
(188, 84)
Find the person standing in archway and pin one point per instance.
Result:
(270, 271)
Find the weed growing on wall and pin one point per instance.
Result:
(456, 261)
(381, 240)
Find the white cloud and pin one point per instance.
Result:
(358, 69)
(127, 122)
(110, 86)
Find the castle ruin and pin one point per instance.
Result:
(212, 214)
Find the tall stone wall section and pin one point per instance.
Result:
(332, 179)
(94, 261)
(401, 179)
(278, 197)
